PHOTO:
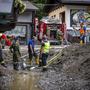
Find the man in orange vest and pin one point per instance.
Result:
(82, 35)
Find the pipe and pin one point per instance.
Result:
(54, 58)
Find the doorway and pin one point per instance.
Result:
(62, 17)
(53, 34)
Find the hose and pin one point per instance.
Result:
(54, 58)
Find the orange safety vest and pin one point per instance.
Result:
(82, 31)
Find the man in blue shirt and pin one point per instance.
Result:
(31, 49)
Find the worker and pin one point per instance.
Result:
(14, 48)
(31, 50)
(44, 51)
(3, 43)
(82, 35)
(1, 57)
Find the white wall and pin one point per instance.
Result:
(68, 13)
(57, 12)
(65, 8)
(67, 17)
(25, 17)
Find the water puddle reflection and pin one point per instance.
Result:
(25, 81)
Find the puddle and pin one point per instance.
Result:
(25, 81)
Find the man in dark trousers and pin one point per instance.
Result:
(44, 51)
(31, 52)
(14, 48)
(1, 57)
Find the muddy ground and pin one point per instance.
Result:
(7, 73)
(71, 72)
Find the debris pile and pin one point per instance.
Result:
(70, 72)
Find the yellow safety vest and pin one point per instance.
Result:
(46, 47)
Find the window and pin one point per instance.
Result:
(54, 16)
(17, 31)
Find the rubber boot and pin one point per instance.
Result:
(81, 42)
(15, 66)
(40, 63)
(37, 60)
(30, 62)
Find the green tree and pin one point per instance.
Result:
(40, 4)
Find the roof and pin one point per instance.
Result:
(69, 1)
(30, 6)
(48, 20)
(48, 7)
(6, 6)
(79, 2)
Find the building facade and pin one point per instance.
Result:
(24, 27)
(69, 12)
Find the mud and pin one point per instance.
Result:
(19, 80)
(5, 77)
(7, 73)
(70, 72)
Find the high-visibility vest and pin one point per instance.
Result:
(46, 47)
(81, 31)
